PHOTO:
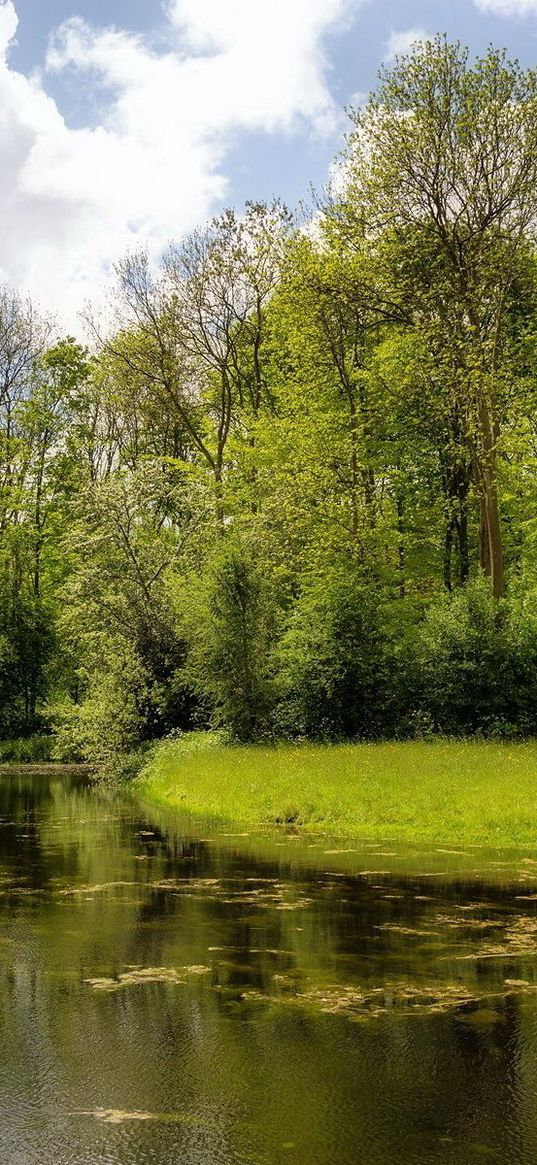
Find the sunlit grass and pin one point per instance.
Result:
(452, 791)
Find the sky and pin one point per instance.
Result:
(129, 123)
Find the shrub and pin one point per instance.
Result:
(31, 750)
(478, 663)
(108, 721)
(231, 633)
(340, 671)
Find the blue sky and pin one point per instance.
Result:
(127, 122)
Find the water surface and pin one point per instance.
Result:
(173, 998)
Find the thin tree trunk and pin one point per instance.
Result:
(464, 551)
(354, 465)
(219, 494)
(494, 536)
(484, 543)
(401, 546)
(448, 550)
(491, 549)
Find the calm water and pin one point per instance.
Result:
(166, 998)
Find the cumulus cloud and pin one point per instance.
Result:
(508, 7)
(73, 200)
(400, 42)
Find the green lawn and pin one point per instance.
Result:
(451, 791)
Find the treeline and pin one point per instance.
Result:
(289, 488)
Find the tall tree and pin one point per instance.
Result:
(194, 333)
(446, 152)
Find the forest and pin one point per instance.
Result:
(287, 488)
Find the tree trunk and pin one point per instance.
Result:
(448, 549)
(401, 545)
(464, 551)
(219, 495)
(456, 480)
(491, 536)
(484, 545)
(491, 550)
(354, 466)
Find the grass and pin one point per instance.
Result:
(443, 791)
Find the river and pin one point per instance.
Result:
(184, 997)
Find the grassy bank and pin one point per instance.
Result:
(451, 791)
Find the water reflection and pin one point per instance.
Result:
(168, 998)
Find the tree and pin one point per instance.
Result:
(125, 535)
(194, 333)
(446, 152)
(231, 630)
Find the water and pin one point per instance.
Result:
(173, 999)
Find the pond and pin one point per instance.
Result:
(178, 996)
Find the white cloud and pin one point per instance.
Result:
(400, 42)
(8, 25)
(73, 200)
(508, 7)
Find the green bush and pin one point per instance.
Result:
(478, 663)
(231, 635)
(340, 669)
(32, 750)
(108, 721)
(26, 648)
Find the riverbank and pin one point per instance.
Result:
(451, 791)
(49, 768)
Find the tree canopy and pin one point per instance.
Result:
(289, 487)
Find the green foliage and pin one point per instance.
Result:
(275, 497)
(338, 667)
(478, 664)
(27, 751)
(232, 628)
(109, 722)
(27, 644)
